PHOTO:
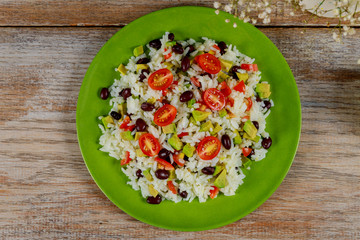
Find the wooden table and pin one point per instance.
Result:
(46, 191)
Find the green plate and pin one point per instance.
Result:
(283, 124)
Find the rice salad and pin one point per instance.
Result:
(187, 117)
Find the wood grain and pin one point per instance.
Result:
(47, 192)
(120, 12)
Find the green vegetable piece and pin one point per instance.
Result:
(221, 180)
(135, 97)
(246, 162)
(206, 126)
(170, 44)
(191, 103)
(151, 100)
(255, 139)
(175, 142)
(222, 76)
(263, 95)
(222, 112)
(192, 120)
(200, 115)
(172, 174)
(263, 89)
(188, 86)
(122, 69)
(225, 65)
(153, 191)
(188, 150)
(141, 66)
(127, 136)
(216, 129)
(250, 129)
(122, 108)
(139, 153)
(237, 139)
(147, 175)
(242, 76)
(138, 51)
(218, 169)
(138, 135)
(106, 120)
(171, 128)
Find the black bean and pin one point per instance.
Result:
(185, 64)
(147, 107)
(116, 115)
(139, 173)
(266, 143)
(125, 93)
(164, 153)
(162, 174)
(156, 43)
(183, 194)
(267, 104)
(140, 125)
(104, 94)
(171, 37)
(142, 74)
(165, 101)
(226, 141)
(154, 200)
(222, 47)
(256, 124)
(143, 61)
(191, 49)
(186, 158)
(258, 99)
(177, 48)
(235, 69)
(186, 96)
(208, 170)
(251, 153)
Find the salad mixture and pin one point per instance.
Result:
(187, 118)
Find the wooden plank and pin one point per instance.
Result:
(47, 192)
(118, 12)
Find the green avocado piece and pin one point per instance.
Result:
(191, 103)
(222, 112)
(222, 76)
(138, 51)
(200, 115)
(139, 153)
(246, 162)
(147, 175)
(122, 69)
(263, 95)
(138, 135)
(206, 126)
(225, 65)
(175, 142)
(216, 129)
(106, 120)
(172, 174)
(221, 180)
(263, 89)
(127, 136)
(153, 191)
(242, 76)
(170, 44)
(250, 129)
(171, 128)
(122, 108)
(237, 139)
(192, 120)
(188, 150)
(218, 169)
(255, 139)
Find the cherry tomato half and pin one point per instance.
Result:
(214, 99)
(208, 148)
(165, 115)
(149, 145)
(209, 63)
(161, 79)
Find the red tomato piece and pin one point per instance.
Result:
(167, 56)
(214, 192)
(161, 79)
(171, 187)
(183, 134)
(246, 118)
(216, 46)
(149, 145)
(214, 99)
(164, 92)
(208, 148)
(127, 159)
(164, 163)
(195, 81)
(240, 87)
(224, 88)
(165, 115)
(246, 151)
(249, 104)
(230, 101)
(249, 67)
(125, 124)
(179, 161)
(209, 63)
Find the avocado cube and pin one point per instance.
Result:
(138, 51)
(147, 175)
(170, 44)
(191, 103)
(139, 153)
(138, 135)
(255, 139)
(171, 128)
(122, 69)
(106, 120)
(225, 65)
(216, 129)
(263, 95)
(127, 136)
(237, 139)
(151, 100)
(192, 120)
(206, 126)
(250, 129)
(246, 162)
(263, 89)
(141, 66)
(153, 191)
(200, 115)
(188, 150)
(172, 174)
(221, 180)
(168, 65)
(242, 76)
(175, 142)
(218, 169)
(222, 76)
(222, 112)
(122, 108)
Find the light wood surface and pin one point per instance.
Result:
(45, 189)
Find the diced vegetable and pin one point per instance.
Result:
(153, 191)
(106, 120)
(214, 192)
(224, 88)
(216, 129)
(189, 150)
(206, 126)
(141, 66)
(138, 135)
(147, 175)
(242, 76)
(237, 139)
(164, 163)
(127, 159)
(199, 115)
(170, 44)
(250, 129)
(249, 67)
(175, 142)
(179, 159)
(246, 151)
(222, 76)
(127, 136)
(240, 87)
(191, 103)
(139, 153)
(249, 104)
(122, 69)
(221, 180)
(171, 187)
(246, 162)
(225, 65)
(183, 134)
(138, 51)
(171, 128)
(222, 112)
